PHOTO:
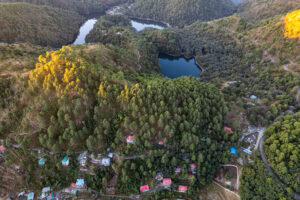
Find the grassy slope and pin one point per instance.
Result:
(83, 7)
(22, 22)
(254, 10)
(182, 12)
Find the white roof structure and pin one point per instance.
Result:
(105, 161)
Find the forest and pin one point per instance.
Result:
(282, 149)
(47, 26)
(180, 13)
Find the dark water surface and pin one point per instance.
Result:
(174, 67)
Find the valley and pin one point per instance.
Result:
(130, 99)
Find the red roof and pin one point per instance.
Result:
(2, 148)
(228, 130)
(129, 138)
(182, 188)
(161, 142)
(167, 181)
(192, 165)
(144, 188)
(73, 184)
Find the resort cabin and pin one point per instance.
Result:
(177, 170)
(65, 161)
(2, 149)
(105, 162)
(192, 168)
(45, 192)
(159, 176)
(144, 188)
(129, 140)
(182, 188)
(228, 130)
(30, 196)
(42, 161)
(80, 183)
(166, 182)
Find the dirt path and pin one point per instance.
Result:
(263, 156)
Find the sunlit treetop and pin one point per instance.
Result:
(292, 24)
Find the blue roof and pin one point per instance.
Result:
(65, 159)
(253, 97)
(30, 195)
(247, 151)
(42, 161)
(80, 182)
(233, 150)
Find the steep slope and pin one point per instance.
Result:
(23, 22)
(254, 10)
(181, 12)
(83, 7)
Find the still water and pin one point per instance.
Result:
(140, 25)
(84, 31)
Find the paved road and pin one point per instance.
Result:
(262, 153)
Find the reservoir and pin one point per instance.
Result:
(84, 31)
(174, 67)
(140, 25)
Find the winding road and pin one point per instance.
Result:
(263, 156)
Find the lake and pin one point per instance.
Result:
(84, 31)
(174, 67)
(140, 25)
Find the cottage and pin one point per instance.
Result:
(228, 130)
(182, 188)
(161, 142)
(42, 161)
(144, 188)
(110, 155)
(80, 183)
(166, 183)
(129, 140)
(30, 196)
(105, 162)
(45, 192)
(253, 97)
(192, 168)
(233, 150)
(2, 149)
(65, 161)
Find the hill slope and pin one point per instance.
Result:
(182, 12)
(23, 22)
(254, 10)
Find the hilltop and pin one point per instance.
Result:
(181, 12)
(47, 26)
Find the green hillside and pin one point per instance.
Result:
(181, 12)
(83, 7)
(23, 22)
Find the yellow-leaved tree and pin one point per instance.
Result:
(292, 24)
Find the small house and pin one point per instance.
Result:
(65, 161)
(82, 158)
(80, 183)
(166, 182)
(233, 150)
(129, 140)
(177, 170)
(42, 161)
(192, 168)
(110, 155)
(144, 188)
(71, 191)
(253, 97)
(161, 142)
(45, 192)
(30, 196)
(105, 162)
(159, 176)
(182, 188)
(247, 151)
(2, 149)
(228, 130)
